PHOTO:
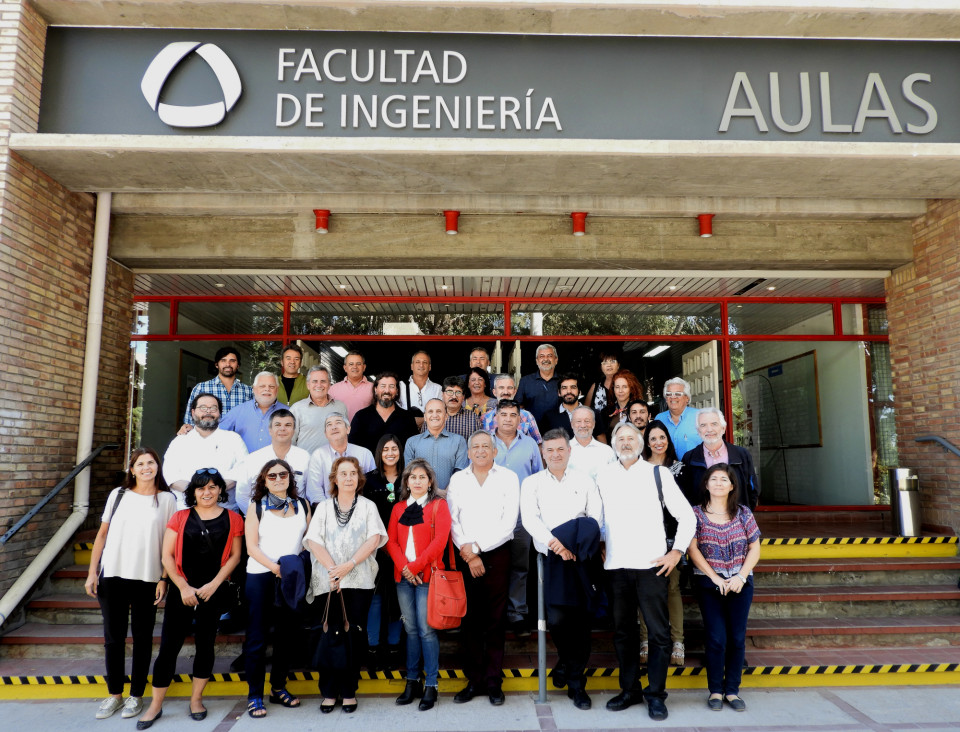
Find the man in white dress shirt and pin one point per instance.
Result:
(484, 501)
(336, 428)
(205, 446)
(416, 391)
(638, 563)
(587, 454)
(282, 427)
(550, 499)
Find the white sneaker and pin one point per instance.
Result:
(132, 706)
(108, 706)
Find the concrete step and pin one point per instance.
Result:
(829, 545)
(858, 571)
(817, 601)
(69, 608)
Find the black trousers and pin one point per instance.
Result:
(484, 627)
(119, 599)
(643, 589)
(569, 628)
(342, 683)
(179, 621)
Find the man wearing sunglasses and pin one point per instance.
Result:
(205, 446)
(680, 418)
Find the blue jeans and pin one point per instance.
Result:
(725, 626)
(421, 638)
(374, 619)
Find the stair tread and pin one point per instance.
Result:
(835, 593)
(76, 633)
(858, 564)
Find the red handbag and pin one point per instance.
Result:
(447, 596)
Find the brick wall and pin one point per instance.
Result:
(923, 306)
(46, 235)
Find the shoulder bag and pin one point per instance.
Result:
(447, 596)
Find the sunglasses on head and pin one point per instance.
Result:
(208, 471)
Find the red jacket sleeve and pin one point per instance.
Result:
(433, 549)
(397, 554)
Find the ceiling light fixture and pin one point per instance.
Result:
(323, 220)
(655, 351)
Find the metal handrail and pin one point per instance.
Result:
(59, 487)
(944, 443)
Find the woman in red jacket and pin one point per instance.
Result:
(417, 535)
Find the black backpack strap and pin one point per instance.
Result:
(259, 509)
(116, 504)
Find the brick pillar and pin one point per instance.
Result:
(46, 238)
(923, 306)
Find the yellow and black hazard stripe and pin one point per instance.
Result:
(859, 540)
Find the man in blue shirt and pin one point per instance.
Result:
(539, 392)
(521, 454)
(226, 385)
(680, 418)
(251, 420)
(445, 451)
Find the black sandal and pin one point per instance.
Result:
(284, 697)
(255, 708)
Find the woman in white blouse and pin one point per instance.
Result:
(126, 575)
(343, 536)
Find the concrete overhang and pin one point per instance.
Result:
(529, 170)
(893, 19)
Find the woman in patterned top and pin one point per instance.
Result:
(724, 552)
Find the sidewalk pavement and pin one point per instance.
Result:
(878, 709)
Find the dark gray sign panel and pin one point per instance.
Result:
(411, 85)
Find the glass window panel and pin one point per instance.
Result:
(638, 319)
(405, 318)
(780, 318)
(808, 414)
(859, 319)
(168, 371)
(230, 318)
(152, 318)
(884, 418)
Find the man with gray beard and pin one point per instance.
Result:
(205, 446)
(639, 559)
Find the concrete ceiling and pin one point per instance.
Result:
(378, 167)
(927, 19)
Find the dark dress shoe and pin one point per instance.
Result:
(715, 704)
(349, 708)
(559, 677)
(496, 696)
(466, 694)
(148, 723)
(625, 699)
(737, 704)
(429, 698)
(411, 691)
(657, 709)
(198, 716)
(580, 698)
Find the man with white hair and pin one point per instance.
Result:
(639, 559)
(587, 453)
(715, 449)
(680, 418)
(540, 391)
(251, 420)
(336, 428)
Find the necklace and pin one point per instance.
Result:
(343, 517)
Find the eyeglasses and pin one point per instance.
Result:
(671, 394)
(207, 410)
(208, 471)
(609, 361)
(453, 392)
(278, 476)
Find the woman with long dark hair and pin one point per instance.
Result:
(626, 388)
(417, 535)
(724, 551)
(600, 393)
(382, 487)
(201, 547)
(277, 519)
(343, 536)
(126, 575)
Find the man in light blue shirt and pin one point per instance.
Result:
(251, 420)
(445, 451)
(521, 454)
(680, 419)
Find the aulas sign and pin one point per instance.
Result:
(285, 83)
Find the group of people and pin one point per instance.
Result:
(297, 502)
